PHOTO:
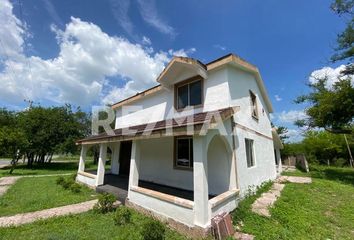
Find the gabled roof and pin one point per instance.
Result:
(231, 59)
(159, 128)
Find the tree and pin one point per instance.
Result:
(282, 132)
(345, 48)
(330, 108)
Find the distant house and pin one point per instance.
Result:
(192, 146)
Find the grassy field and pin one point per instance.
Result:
(321, 210)
(82, 226)
(32, 194)
(48, 168)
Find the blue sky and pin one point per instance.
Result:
(43, 43)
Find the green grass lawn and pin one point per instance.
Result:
(32, 194)
(48, 168)
(323, 209)
(82, 226)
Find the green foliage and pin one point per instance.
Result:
(105, 203)
(321, 147)
(122, 216)
(75, 187)
(153, 230)
(330, 108)
(60, 180)
(69, 184)
(282, 132)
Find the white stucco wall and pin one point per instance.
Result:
(264, 168)
(224, 87)
(156, 164)
(163, 208)
(219, 165)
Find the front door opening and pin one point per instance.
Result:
(124, 157)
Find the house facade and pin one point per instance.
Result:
(192, 146)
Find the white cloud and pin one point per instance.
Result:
(52, 12)
(218, 46)
(295, 135)
(150, 15)
(291, 116)
(146, 40)
(12, 32)
(277, 98)
(87, 62)
(332, 75)
(182, 52)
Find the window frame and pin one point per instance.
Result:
(254, 105)
(175, 153)
(253, 157)
(188, 82)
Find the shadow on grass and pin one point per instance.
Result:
(343, 175)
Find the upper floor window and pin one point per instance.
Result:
(254, 108)
(188, 93)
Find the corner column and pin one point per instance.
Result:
(82, 158)
(115, 158)
(200, 179)
(134, 165)
(101, 164)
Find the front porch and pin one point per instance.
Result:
(187, 178)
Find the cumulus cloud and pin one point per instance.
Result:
(89, 63)
(332, 75)
(12, 32)
(295, 135)
(277, 98)
(150, 15)
(291, 116)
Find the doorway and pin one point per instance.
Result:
(124, 158)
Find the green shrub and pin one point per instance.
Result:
(105, 203)
(153, 230)
(75, 187)
(60, 180)
(67, 183)
(73, 176)
(122, 216)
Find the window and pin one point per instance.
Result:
(189, 94)
(184, 152)
(254, 108)
(249, 152)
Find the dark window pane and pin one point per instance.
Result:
(249, 152)
(183, 152)
(182, 96)
(195, 90)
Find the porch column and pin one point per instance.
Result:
(200, 179)
(134, 165)
(101, 164)
(115, 158)
(82, 158)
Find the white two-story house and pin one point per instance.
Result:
(192, 146)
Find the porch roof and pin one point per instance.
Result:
(158, 129)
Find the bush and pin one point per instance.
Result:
(105, 203)
(67, 183)
(122, 216)
(75, 187)
(153, 230)
(73, 176)
(60, 180)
